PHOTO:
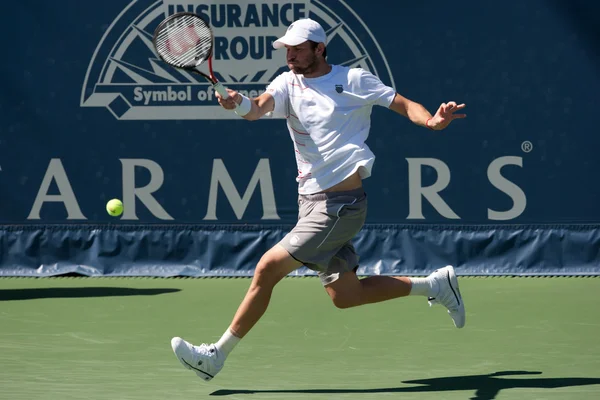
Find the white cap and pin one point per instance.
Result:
(299, 32)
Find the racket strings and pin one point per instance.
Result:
(184, 41)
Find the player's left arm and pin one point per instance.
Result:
(420, 116)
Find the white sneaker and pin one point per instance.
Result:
(449, 295)
(206, 360)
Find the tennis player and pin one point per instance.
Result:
(327, 108)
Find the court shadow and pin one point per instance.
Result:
(76, 292)
(485, 387)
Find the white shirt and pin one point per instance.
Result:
(329, 118)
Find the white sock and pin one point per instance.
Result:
(227, 342)
(423, 287)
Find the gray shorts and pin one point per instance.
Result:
(321, 239)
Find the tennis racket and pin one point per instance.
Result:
(185, 40)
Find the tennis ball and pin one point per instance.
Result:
(114, 207)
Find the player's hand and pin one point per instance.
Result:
(231, 102)
(445, 114)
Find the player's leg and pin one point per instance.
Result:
(207, 360)
(272, 268)
(350, 291)
(347, 290)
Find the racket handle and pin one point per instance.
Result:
(219, 88)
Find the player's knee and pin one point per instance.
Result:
(261, 273)
(267, 272)
(346, 291)
(344, 301)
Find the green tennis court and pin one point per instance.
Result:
(108, 338)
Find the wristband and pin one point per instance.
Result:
(427, 124)
(244, 107)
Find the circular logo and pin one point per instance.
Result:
(527, 146)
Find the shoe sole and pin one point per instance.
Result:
(453, 283)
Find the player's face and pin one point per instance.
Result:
(302, 59)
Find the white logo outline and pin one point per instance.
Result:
(99, 90)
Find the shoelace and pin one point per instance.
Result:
(203, 350)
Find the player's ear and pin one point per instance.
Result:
(321, 49)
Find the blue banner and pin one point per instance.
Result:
(90, 113)
(200, 251)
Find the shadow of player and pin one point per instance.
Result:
(486, 386)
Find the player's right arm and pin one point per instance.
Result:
(259, 106)
(274, 101)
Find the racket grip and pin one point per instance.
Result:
(219, 88)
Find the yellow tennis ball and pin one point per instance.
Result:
(114, 207)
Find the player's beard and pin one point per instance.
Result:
(311, 66)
